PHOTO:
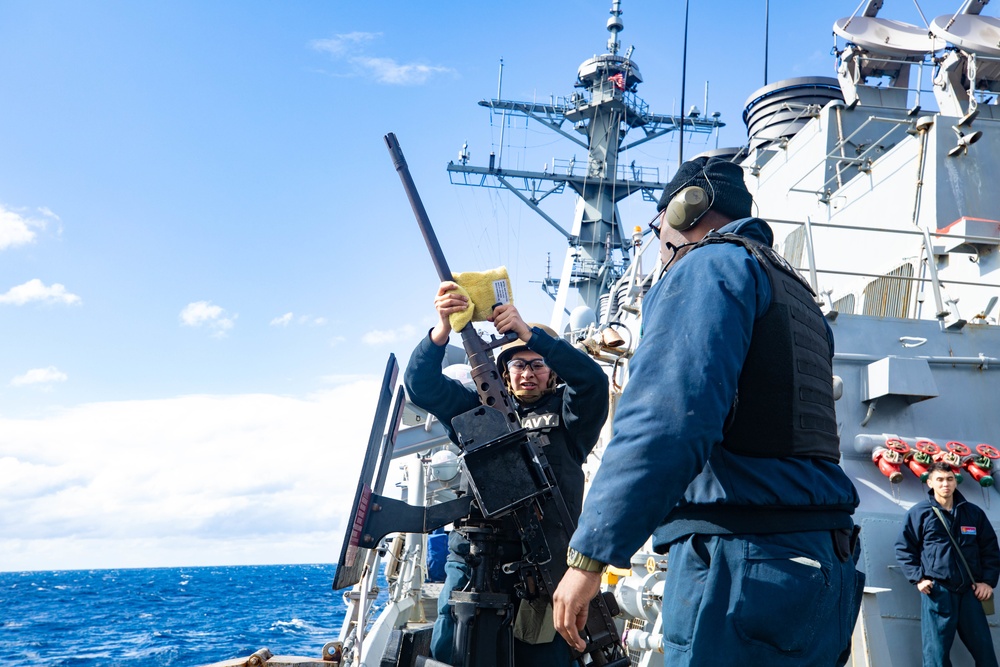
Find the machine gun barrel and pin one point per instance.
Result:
(484, 371)
(430, 238)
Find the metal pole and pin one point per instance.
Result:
(503, 116)
(767, 26)
(812, 256)
(935, 283)
(684, 61)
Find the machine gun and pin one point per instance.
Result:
(512, 481)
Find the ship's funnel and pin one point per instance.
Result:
(779, 110)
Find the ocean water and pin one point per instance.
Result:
(175, 617)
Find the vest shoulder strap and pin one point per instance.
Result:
(762, 252)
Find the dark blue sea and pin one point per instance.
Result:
(166, 616)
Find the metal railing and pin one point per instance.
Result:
(927, 258)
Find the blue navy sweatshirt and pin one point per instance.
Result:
(665, 451)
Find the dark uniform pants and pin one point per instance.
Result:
(942, 612)
(553, 654)
(784, 600)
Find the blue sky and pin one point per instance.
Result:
(206, 256)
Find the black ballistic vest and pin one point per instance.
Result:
(545, 417)
(784, 401)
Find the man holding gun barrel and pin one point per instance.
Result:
(556, 389)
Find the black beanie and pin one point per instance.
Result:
(721, 179)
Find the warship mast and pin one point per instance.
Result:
(600, 113)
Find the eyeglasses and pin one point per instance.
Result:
(654, 224)
(520, 365)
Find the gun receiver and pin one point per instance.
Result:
(510, 477)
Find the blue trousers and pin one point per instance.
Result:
(554, 654)
(456, 575)
(782, 600)
(942, 612)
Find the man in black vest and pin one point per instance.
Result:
(725, 449)
(557, 390)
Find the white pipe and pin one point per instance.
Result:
(638, 640)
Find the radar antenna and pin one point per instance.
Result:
(615, 26)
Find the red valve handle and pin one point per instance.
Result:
(897, 445)
(988, 451)
(958, 448)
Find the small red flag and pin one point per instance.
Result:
(618, 80)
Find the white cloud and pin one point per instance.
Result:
(339, 44)
(342, 378)
(207, 314)
(36, 290)
(47, 212)
(380, 337)
(193, 480)
(282, 321)
(349, 47)
(306, 320)
(387, 70)
(199, 312)
(15, 229)
(39, 376)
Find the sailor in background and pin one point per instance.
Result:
(534, 368)
(948, 549)
(725, 449)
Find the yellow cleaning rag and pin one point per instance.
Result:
(484, 289)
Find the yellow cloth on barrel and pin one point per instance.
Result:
(484, 289)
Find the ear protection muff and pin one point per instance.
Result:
(686, 208)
